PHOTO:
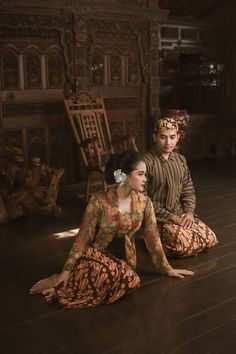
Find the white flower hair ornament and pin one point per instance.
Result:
(120, 177)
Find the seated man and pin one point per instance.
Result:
(171, 189)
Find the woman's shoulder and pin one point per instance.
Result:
(141, 197)
(104, 195)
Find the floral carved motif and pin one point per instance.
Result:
(117, 129)
(33, 70)
(109, 26)
(10, 65)
(55, 77)
(130, 38)
(13, 137)
(121, 103)
(131, 2)
(15, 109)
(133, 72)
(56, 29)
(115, 70)
(36, 143)
(97, 68)
(57, 143)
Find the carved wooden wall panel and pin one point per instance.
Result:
(98, 68)
(55, 71)
(33, 69)
(119, 68)
(10, 70)
(57, 146)
(36, 55)
(37, 143)
(14, 137)
(100, 45)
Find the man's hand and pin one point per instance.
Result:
(187, 220)
(176, 219)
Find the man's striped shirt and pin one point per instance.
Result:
(169, 186)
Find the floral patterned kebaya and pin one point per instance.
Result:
(97, 276)
(102, 214)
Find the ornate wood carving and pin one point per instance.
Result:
(57, 143)
(133, 127)
(128, 37)
(115, 70)
(97, 68)
(29, 108)
(108, 50)
(55, 72)
(81, 46)
(33, 74)
(13, 137)
(117, 128)
(54, 28)
(118, 26)
(119, 103)
(10, 70)
(24, 191)
(133, 69)
(36, 143)
(132, 2)
(154, 72)
(1, 138)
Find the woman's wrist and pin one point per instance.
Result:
(68, 267)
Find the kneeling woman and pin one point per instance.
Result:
(92, 275)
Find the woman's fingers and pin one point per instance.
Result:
(62, 280)
(48, 294)
(180, 273)
(184, 271)
(177, 275)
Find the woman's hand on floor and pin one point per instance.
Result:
(179, 273)
(63, 278)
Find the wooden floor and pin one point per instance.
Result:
(189, 316)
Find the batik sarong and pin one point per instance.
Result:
(98, 278)
(178, 241)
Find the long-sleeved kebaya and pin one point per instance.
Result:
(96, 276)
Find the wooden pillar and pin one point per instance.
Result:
(154, 80)
(82, 79)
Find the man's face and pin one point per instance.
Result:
(166, 140)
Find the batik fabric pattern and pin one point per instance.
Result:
(181, 242)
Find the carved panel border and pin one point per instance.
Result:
(58, 28)
(19, 109)
(129, 35)
(119, 103)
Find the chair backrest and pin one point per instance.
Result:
(89, 123)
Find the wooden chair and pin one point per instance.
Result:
(88, 119)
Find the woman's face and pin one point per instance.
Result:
(136, 180)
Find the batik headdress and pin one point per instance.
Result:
(168, 123)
